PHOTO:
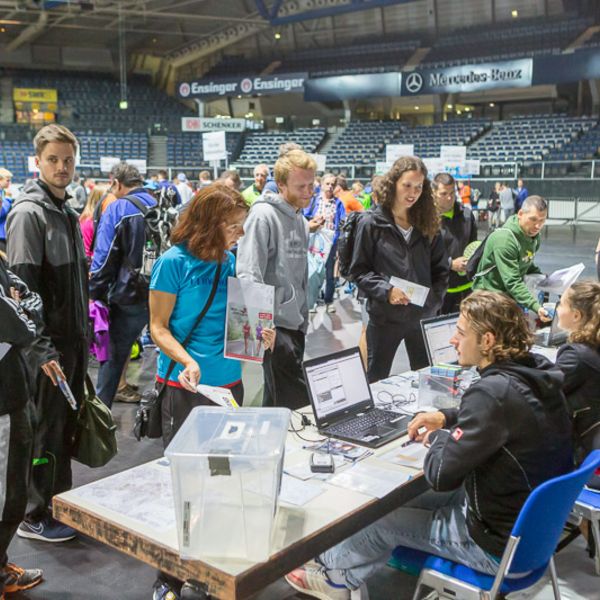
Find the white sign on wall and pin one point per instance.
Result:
(394, 151)
(139, 164)
(321, 160)
(108, 162)
(472, 167)
(31, 166)
(453, 154)
(205, 124)
(213, 145)
(434, 166)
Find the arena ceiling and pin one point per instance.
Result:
(188, 31)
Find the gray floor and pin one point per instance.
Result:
(84, 569)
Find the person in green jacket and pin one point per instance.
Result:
(509, 255)
(252, 193)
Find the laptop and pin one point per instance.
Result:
(552, 336)
(437, 332)
(342, 403)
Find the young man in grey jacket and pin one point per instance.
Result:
(274, 251)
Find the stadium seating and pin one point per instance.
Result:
(363, 142)
(263, 146)
(91, 102)
(527, 138)
(515, 39)
(584, 147)
(185, 149)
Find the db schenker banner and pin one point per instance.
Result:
(245, 86)
(468, 78)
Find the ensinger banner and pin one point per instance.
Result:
(245, 86)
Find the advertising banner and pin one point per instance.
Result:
(35, 95)
(468, 78)
(245, 86)
(205, 124)
(346, 87)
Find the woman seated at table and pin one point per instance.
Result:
(579, 359)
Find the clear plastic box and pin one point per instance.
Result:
(442, 391)
(226, 467)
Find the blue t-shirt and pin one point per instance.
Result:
(190, 279)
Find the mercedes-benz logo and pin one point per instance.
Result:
(414, 83)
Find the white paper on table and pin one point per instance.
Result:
(4, 348)
(294, 491)
(220, 396)
(558, 281)
(412, 456)
(417, 294)
(369, 479)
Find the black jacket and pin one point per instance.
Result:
(457, 233)
(510, 434)
(45, 250)
(380, 252)
(17, 333)
(118, 252)
(580, 364)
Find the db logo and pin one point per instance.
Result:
(184, 90)
(246, 86)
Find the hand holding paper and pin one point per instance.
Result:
(416, 293)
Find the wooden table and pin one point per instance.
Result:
(300, 533)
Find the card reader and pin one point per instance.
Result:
(321, 463)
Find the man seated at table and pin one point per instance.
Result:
(510, 434)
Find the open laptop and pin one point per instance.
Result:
(552, 336)
(342, 402)
(437, 332)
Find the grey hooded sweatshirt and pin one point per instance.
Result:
(274, 251)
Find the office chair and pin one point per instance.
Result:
(528, 553)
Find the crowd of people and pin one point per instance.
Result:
(526, 420)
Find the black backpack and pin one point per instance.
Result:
(471, 270)
(345, 243)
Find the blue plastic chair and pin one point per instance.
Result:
(528, 553)
(587, 506)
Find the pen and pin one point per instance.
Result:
(407, 443)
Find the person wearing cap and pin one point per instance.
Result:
(6, 205)
(183, 187)
(163, 181)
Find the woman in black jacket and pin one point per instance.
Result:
(579, 359)
(400, 238)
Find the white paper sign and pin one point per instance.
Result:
(434, 166)
(453, 154)
(108, 162)
(321, 160)
(472, 167)
(417, 294)
(31, 166)
(213, 145)
(558, 281)
(381, 168)
(138, 163)
(394, 151)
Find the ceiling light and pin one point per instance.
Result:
(467, 108)
(123, 105)
(416, 108)
(239, 96)
(448, 105)
(459, 112)
(492, 105)
(277, 35)
(514, 13)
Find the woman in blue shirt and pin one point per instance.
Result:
(181, 282)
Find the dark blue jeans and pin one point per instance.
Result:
(329, 277)
(126, 324)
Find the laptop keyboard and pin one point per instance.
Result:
(356, 426)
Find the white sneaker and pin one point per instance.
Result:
(330, 308)
(313, 581)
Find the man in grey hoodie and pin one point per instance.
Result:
(274, 251)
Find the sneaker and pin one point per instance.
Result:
(313, 310)
(163, 591)
(330, 308)
(17, 579)
(128, 394)
(192, 590)
(46, 530)
(313, 581)
(132, 386)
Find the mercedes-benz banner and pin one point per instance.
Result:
(468, 78)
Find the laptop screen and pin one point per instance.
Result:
(437, 332)
(337, 383)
